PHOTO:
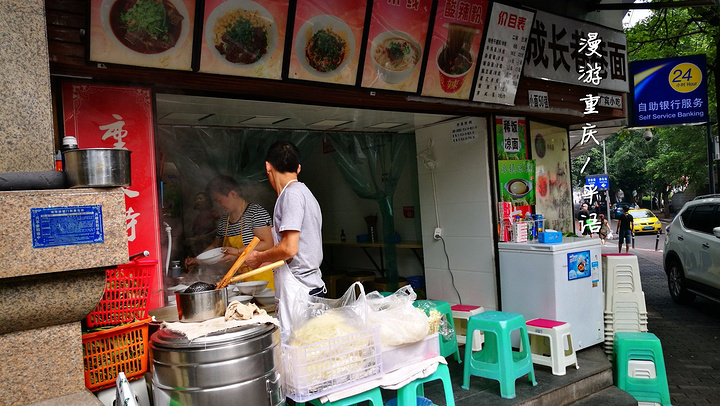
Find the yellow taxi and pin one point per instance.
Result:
(644, 221)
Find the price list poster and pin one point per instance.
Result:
(503, 54)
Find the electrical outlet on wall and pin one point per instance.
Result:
(438, 233)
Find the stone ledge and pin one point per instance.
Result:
(16, 234)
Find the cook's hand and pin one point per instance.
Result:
(252, 260)
(190, 263)
(231, 255)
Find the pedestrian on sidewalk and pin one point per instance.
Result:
(624, 229)
(604, 229)
(583, 217)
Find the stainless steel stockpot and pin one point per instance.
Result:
(240, 366)
(97, 167)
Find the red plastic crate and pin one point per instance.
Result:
(127, 289)
(119, 349)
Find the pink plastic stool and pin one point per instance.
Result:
(551, 350)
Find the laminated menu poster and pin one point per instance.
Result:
(503, 54)
(327, 38)
(517, 182)
(396, 42)
(510, 133)
(150, 33)
(454, 47)
(244, 38)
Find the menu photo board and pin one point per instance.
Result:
(457, 33)
(396, 43)
(149, 33)
(517, 182)
(327, 37)
(244, 38)
(503, 54)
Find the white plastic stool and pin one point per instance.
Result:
(557, 334)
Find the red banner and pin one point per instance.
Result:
(101, 116)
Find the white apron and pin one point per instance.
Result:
(287, 287)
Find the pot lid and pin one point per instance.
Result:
(172, 339)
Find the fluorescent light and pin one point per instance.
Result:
(263, 120)
(386, 125)
(329, 123)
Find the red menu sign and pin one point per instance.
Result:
(326, 40)
(102, 116)
(396, 44)
(454, 48)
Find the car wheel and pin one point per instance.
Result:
(677, 284)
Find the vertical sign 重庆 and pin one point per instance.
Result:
(102, 116)
(503, 54)
(457, 31)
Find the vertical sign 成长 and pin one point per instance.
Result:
(102, 116)
(396, 44)
(453, 51)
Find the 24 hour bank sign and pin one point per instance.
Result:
(669, 91)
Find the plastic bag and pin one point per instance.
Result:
(350, 310)
(400, 322)
(443, 326)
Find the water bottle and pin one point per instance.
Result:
(540, 223)
(68, 144)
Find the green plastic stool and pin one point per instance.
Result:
(640, 347)
(372, 395)
(407, 395)
(497, 360)
(447, 347)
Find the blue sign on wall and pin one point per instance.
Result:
(602, 182)
(71, 225)
(669, 91)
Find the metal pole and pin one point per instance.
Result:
(607, 194)
(711, 152)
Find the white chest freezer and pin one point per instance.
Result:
(556, 281)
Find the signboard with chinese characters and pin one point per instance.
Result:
(670, 91)
(159, 35)
(517, 182)
(464, 131)
(103, 116)
(556, 51)
(327, 37)
(244, 38)
(457, 31)
(396, 45)
(538, 99)
(511, 138)
(614, 101)
(502, 58)
(597, 182)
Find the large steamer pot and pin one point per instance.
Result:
(237, 367)
(97, 167)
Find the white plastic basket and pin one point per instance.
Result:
(317, 369)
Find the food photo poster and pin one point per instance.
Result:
(457, 33)
(149, 33)
(517, 183)
(396, 43)
(244, 38)
(327, 36)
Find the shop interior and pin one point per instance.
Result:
(372, 180)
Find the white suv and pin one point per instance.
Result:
(692, 251)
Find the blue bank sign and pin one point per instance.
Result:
(669, 91)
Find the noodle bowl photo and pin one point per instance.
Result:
(146, 27)
(324, 46)
(395, 56)
(241, 33)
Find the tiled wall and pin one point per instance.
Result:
(464, 204)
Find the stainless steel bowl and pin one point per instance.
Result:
(97, 167)
(201, 306)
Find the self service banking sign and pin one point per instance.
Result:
(669, 91)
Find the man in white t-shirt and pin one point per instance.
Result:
(297, 223)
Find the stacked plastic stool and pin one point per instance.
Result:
(639, 367)
(625, 309)
(408, 394)
(448, 346)
(497, 360)
(551, 344)
(373, 396)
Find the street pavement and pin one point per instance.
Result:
(689, 334)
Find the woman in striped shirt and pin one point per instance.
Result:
(242, 221)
